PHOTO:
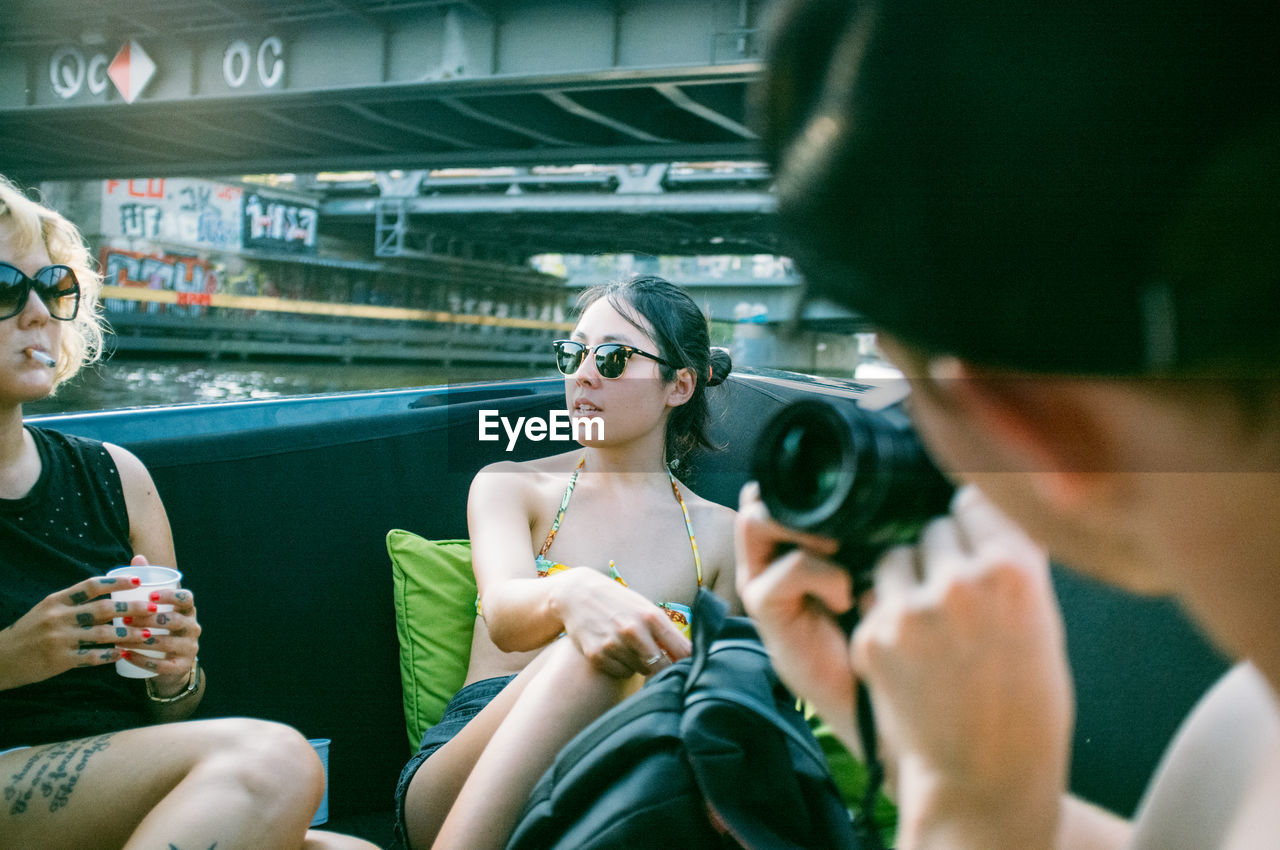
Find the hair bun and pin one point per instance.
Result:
(721, 366)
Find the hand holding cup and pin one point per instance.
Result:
(152, 579)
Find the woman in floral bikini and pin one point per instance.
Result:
(561, 637)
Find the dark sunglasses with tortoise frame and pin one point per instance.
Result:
(611, 357)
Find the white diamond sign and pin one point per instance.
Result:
(131, 70)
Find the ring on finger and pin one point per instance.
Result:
(649, 662)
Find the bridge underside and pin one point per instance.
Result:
(515, 237)
(240, 87)
(489, 130)
(659, 209)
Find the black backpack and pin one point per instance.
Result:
(711, 753)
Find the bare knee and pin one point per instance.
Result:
(268, 761)
(571, 672)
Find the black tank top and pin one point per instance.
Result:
(72, 525)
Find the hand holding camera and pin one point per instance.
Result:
(853, 471)
(838, 483)
(964, 656)
(960, 644)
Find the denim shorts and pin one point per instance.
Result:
(466, 704)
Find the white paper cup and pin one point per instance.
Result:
(153, 578)
(321, 746)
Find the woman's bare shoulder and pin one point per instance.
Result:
(524, 476)
(714, 512)
(550, 465)
(131, 469)
(713, 524)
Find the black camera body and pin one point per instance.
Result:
(854, 470)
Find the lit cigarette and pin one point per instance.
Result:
(40, 357)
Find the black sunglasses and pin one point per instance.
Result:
(611, 357)
(56, 286)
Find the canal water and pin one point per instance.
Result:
(121, 382)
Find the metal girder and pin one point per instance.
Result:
(569, 105)
(683, 203)
(665, 208)
(677, 96)
(369, 115)
(294, 160)
(463, 108)
(521, 235)
(320, 129)
(311, 85)
(211, 129)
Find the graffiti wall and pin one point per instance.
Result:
(195, 213)
(274, 224)
(189, 276)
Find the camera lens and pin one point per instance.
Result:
(859, 476)
(808, 464)
(804, 464)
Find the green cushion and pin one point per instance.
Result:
(435, 599)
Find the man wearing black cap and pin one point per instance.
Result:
(1065, 221)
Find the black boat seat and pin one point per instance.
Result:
(280, 532)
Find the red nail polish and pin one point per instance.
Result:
(155, 596)
(153, 607)
(135, 581)
(128, 621)
(124, 653)
(146, 633)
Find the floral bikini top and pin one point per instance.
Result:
(679, 614)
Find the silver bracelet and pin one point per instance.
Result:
(193, 683)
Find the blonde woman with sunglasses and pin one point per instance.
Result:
(89, 758)
(586, 564)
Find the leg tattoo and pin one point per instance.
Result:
(52, 772)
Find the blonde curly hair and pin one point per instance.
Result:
(31, 221)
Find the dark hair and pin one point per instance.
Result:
(679, 329)
(1085, 187)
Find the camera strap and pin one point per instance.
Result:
(865, 828)
(864, 820)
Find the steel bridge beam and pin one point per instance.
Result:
(241, 87)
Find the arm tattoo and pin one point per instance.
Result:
(85, 620)
(79, 597)
(50, 774)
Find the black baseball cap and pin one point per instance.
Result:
(1084, 187)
